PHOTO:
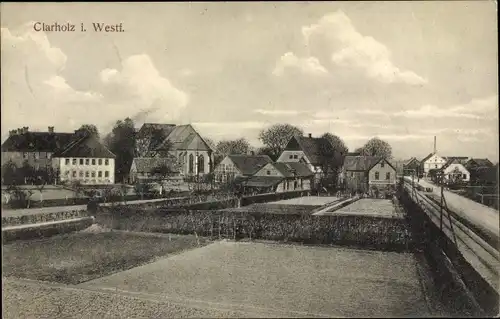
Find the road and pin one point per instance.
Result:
(478, 214)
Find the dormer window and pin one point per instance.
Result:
(382, 164)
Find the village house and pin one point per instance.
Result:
(454, 171)
(412, 167)
(368, 173)
(281, 177)
(86, 160)
(432, 162)
(480, 170)
(34, 148)
(153, 169)
(478, 162)
(193, 154)
(318, 154)
(239, 165)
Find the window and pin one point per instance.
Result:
(74, 161)
(388, 175)
(382, 164)
(435, 166)
(87, 174)
(291, 156)
(93, 174)
(67, 161)
(74, 174)
(25, 155)
(99, 174)
(464, 176)
(81, 174)
(93, 161)
(377, 176)
(49, 155)
(301, 183)
(81, 161)
(352, 174)
(106, 174)
(106, 161)
(295, 156)
(87, 161)
(295, 184)
(36, 155)
(191, 163)
(100, 161)
(268, 172)
(201, 164)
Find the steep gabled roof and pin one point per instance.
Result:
(461, 159)
(480, 162)
(37, 142)
(412, 160)
(360, 163)
(249, 164)
(293, 169)
(315, 148)
(86, 146)
(149, 164)
(427, 157)
(148, 128)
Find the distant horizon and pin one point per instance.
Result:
(402, 71)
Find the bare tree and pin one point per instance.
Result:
(337, 142)
(238, 146)
(276, 137)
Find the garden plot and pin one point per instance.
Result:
(291, 280)
(77, 257)
(369, 207)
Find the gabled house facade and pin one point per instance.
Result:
(364, 173)
(281, 177)
(412, 167)
(432, 161)
(478, 162)
(239, 165)
(86, 160)
(455, 172)
(318, 154)
(192, 153)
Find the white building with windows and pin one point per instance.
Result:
(432, 161)
(86, 160)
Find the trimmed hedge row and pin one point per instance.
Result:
(363, 231)
(43, 217)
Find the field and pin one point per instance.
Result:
(78, 257)
(279, 280)
(370, 207)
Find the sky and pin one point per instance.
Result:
(402, 71)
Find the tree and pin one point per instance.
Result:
(227, 147)
(210, 143)
(91, 129)
(359, 150)
(377, 147)
(276, 137)
(9, 174)
(121, 141)
(337, 142)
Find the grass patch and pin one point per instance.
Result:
(79, 257)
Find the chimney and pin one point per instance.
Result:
(19, 131)
(310, 135)
(435, 150)
(51, 129)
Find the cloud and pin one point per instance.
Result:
(138, 86)
(35, 93)
(308, 65)
(278, 112)
(353, 50)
